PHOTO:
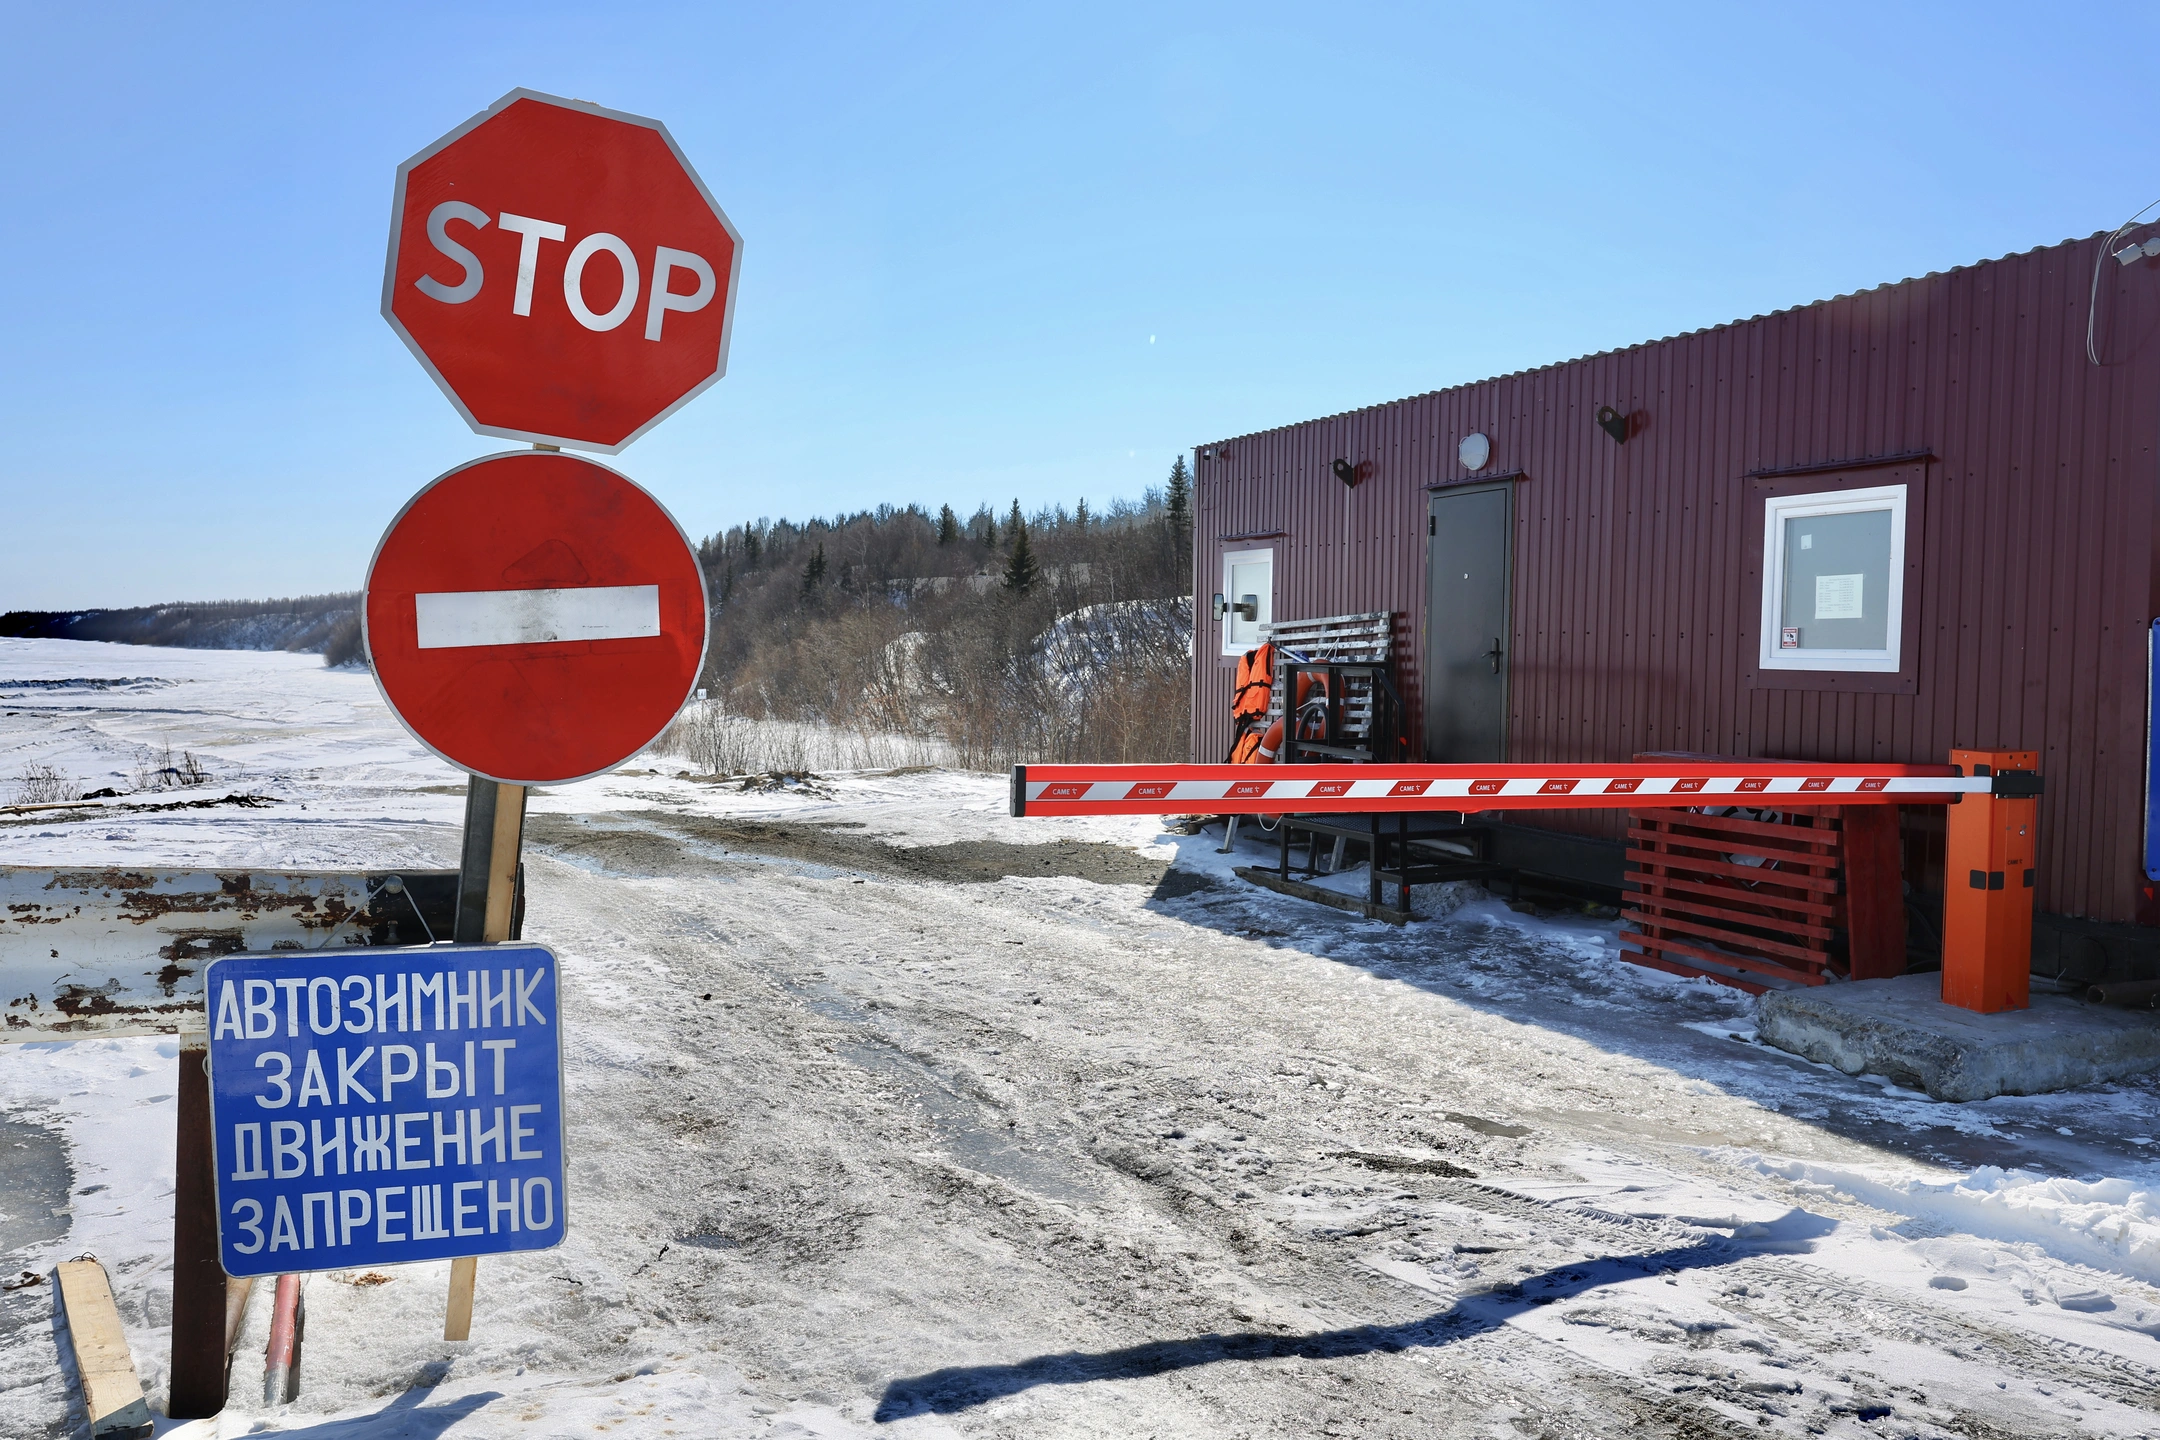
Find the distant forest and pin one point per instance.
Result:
(327, 624)
(1061, 635)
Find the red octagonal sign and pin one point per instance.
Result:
(534, 618)
(561, 271)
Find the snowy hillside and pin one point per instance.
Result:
(892, 1115)
(1084, 645)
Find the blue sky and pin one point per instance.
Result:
(988, 251)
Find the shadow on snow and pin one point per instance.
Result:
(406, 1417)
(963, 1387)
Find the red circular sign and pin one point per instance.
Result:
(561, 271)
(534, 617)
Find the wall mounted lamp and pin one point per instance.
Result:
(1350, 474)
(1617, 425)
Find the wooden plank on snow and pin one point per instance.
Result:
(112, 1392)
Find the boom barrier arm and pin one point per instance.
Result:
(1990, 860)
(1360, 789)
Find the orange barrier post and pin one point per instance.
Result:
(1988, 884)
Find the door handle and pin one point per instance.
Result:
(1494, 655)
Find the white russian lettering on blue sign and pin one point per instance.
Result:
(469, 1121)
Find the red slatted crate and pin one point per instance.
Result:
(1824, 900)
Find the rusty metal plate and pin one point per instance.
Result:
(119, 951)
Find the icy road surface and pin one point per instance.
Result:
(894, 1116)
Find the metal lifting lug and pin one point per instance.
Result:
(2017, 785)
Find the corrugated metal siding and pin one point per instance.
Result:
(1633, 602)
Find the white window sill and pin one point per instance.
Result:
(1875, 663)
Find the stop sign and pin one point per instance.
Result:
(534, 617)
(561, 271)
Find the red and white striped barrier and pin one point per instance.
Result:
(1345, 789)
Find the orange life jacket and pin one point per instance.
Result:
(1249, 704)
(1255, 683)
(1256, 746)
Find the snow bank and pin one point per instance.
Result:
(2107, 1224)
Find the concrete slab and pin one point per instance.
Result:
(1901, 1029)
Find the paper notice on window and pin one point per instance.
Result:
(1837, 597)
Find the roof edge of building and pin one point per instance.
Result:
(1757, 318)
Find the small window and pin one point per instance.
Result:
(1834, 580)
(1248, 577)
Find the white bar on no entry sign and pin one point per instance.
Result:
(537, 617)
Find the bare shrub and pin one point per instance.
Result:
(158, 770)
(712, 740)
(1105, 683)
(42, 784)
(345, 645)
(1125, 673)
(718, 743)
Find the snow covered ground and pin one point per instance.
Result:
(892, 1115)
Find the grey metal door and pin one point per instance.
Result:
(1471, 537)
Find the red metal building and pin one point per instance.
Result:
(1872, 528)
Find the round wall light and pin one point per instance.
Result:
(1475, 450)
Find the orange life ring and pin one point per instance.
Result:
(1270, 745)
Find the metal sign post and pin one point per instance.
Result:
(488, 867)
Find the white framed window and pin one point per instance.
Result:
(1248, 591)
(1834, 580)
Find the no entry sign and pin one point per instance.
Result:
(379, 1107)
(561, 271)
(535, 617)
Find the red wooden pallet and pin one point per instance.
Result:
(1825, 903)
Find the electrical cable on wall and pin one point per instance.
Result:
(2107, 252)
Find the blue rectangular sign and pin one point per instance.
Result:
(2152, 751)
(376, 1107)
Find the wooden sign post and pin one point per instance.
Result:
(197, 1375)
(486, 915)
